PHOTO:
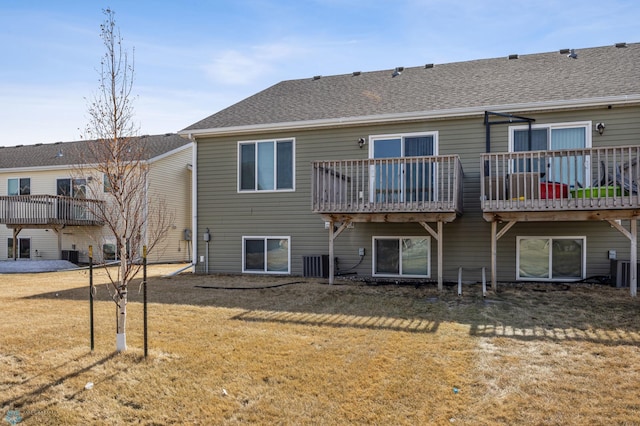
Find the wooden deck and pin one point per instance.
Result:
(591, 184)
(407, 189)
(40, 211)
(596, 184)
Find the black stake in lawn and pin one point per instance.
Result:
(144, 296)
(91, 293)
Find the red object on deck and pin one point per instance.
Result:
(549, 190)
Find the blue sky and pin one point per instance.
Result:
(196, 57)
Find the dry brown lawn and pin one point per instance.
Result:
(303, 352)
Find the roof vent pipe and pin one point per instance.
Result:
(356, 73)
(427, 66)
(514, 56)
(618, 45)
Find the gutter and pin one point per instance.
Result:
(419, 115)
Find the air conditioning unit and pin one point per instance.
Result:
(315, 266)
(621, 272)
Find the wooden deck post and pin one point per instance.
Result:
(494, 255)
(333, 234)
(632, 235)
(633, 267)
(495, 236)
(331, 256)
(58, 231)
(440, 255)
(438, 237)
(16, 231)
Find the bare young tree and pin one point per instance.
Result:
(116, 159)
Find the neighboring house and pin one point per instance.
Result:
(524, 165)
(45, 200)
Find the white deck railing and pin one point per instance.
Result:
(583, 179)
(47, 210)
(387, 185)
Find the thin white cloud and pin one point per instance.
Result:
(244, 67)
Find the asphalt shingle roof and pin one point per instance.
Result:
(544, 77)
(74, 153)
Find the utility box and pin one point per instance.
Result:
(621, 272)
(70, 255)
(315, 266)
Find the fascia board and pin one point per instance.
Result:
(53, 168)
(412, 116)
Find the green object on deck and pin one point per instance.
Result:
(597, 192)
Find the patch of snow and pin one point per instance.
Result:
(23, 266)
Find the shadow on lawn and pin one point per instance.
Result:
(22, 402)
(557, 312)
(414, 325)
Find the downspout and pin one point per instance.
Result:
(194, 203)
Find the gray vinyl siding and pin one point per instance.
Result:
(230, 215)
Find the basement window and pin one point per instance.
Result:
(266, 255)
(551, 258)
(23, 250)
(402, 256)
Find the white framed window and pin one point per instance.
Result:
(552, 137)
(403, 181)
(19, 186)
(266, 165)
(266, 255)
(109, 250)
(551, 258)
(106, 183)
(76, 188)
(402, 256)
(23, 250)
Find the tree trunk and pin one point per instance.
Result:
(121, 336)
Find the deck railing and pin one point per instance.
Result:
(388, 185)
(47, 210)
(582, 179)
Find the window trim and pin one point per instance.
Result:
(275, 165)
(265, 238)
(19, 179)
(587, 125)
(401, 136)
(374, 258)
(583, 272)
(10, 253)
(74, 183)
(434, 133)
(110, 241)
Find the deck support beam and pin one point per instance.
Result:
(333, 234)
(16, 231)
(495, 236)
(437, 235)
(632, 235)
(58, 231)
